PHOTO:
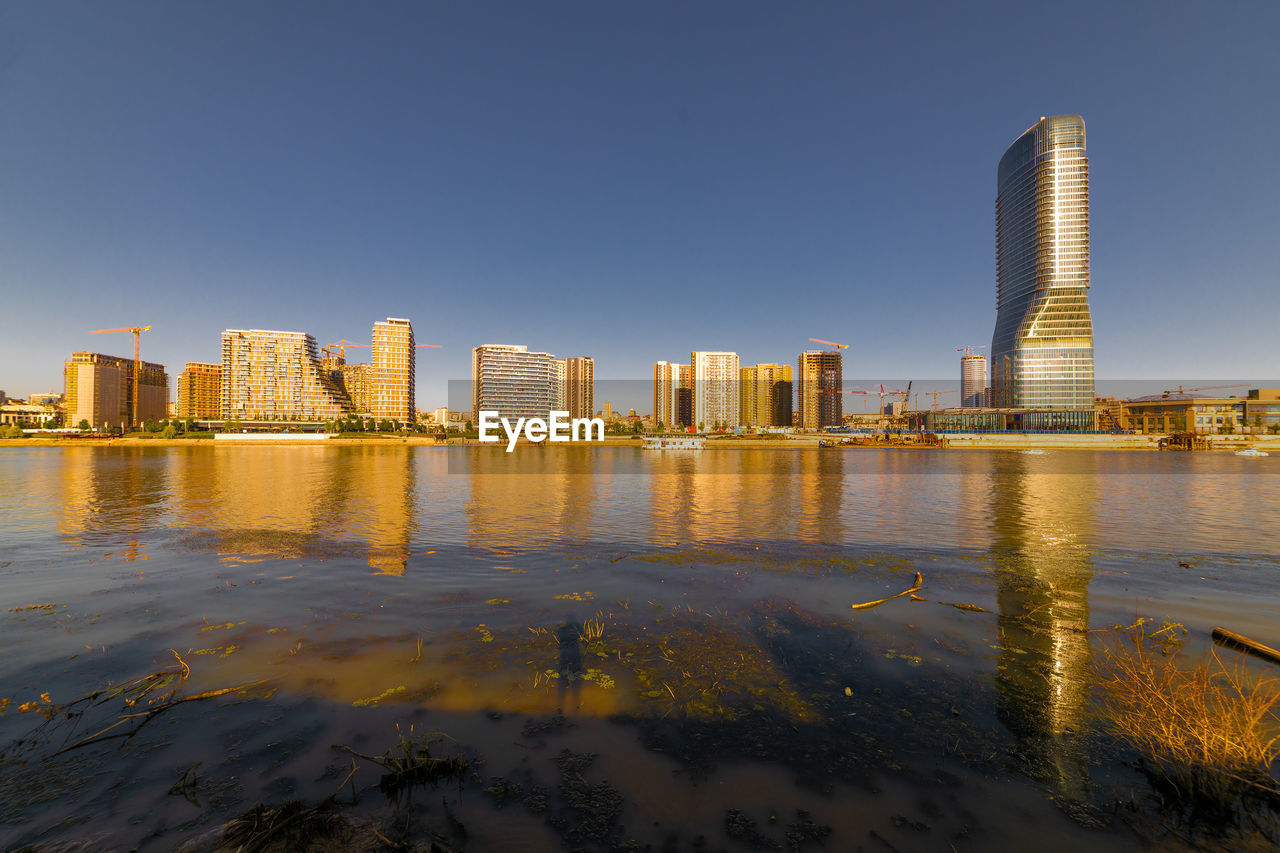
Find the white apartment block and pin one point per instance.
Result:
(715, 378)
(512, 381)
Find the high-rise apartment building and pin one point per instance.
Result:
(579, 382)
(1042, 347)
(270, 375)
(715, 379)
(99, 389)
(664, 393)
(393, 371)
(199, 390)
(766, 395)
(973, 379)
(562, 383)
(819, 376)
(512, 381)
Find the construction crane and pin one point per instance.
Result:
(1180, 390)
(935, 395)
(342, 347)
(969, 350)
(830, 344)
(137, 360)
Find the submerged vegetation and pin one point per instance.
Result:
(1207, 730)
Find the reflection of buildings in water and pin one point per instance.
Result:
(746, 494)
(112, 495)
(260, 501)
(820, 484)
(371, 500)
(673, 479)
(769, 494)
(279, 501)
(529, 496)
(1041, 521)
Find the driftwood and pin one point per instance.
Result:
(970, 607)
(914, 589)
(1241, 643)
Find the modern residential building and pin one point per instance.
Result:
(512, 381)
(819, 380)
(562, 383)
(973, 379)
(357, 381)
(199, 390)
(99, 389)
(765, 395)
(1042, 347)
(579, 382)
(716, 399)
(393, 370)
(663, 393)
(270, 375)
(672, 394)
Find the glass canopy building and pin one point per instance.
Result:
(1042, 348)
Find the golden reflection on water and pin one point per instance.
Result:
(536, 496)
(1042, 522)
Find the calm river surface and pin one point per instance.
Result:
(633, 650)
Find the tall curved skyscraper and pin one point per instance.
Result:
(1042, 349)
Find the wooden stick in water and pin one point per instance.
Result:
(1241, 643)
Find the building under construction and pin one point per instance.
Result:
(99, 389)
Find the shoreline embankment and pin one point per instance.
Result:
(954, 441)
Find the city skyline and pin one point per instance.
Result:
(808, 169)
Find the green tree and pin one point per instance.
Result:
(170, 431)
(84, 425)
(1274, 429)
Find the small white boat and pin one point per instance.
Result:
(674, 442)
(1034, 452)
(1251, 451)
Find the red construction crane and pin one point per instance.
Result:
(137, 360)
(830, 344)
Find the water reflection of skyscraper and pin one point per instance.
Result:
(1042, 515)
(376, 506)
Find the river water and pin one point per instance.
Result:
(633, 650)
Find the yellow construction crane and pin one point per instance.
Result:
(137, 361)
(830, 344)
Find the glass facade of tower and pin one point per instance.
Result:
(1042, 348)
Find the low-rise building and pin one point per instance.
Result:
(26, 414)
(1257, 413)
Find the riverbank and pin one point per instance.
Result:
(969, 441)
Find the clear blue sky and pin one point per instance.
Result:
(628, 180)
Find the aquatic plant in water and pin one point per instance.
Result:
(1208, 731)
